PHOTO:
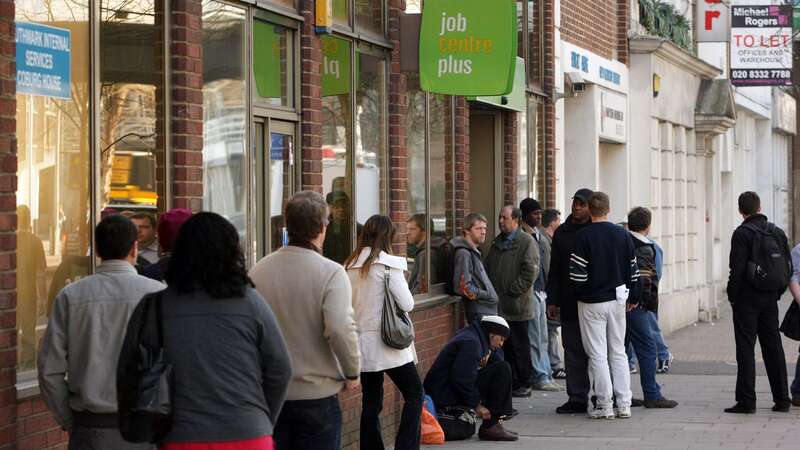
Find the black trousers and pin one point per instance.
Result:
(494, 384)
(576, 363)
(407, 381)
(758, 318)
(309, 424)
(518, 353)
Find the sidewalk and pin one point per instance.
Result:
(702, 380)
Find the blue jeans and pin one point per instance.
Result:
(640, 334)
(309, 424)
(537, 334)
(662, 351)
(796, 383)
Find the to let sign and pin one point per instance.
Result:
(43, 60)
(468, 47)
(761, 45)
(712, 21)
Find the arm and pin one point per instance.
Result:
(52, 364)
(339, 323)
(462, 277)
(579, 264)
(128, 362)
(633, 274)
(402, 295)
(737, 264)
(276, 366)
(528, 268)
(464, 375)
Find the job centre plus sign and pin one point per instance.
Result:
(467, 48)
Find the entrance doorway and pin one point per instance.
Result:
(485, 168)
(275, 181)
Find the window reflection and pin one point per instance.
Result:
(369, 16)
(416, 225)
(369, 134)
(272, 63)
(523, 173)
(441, 217)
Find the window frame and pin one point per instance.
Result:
(352, 31)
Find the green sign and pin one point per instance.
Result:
(468, 47)
(267, 62)
(515, 100)
(796, 21)
(335, 66)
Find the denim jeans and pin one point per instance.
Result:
(796, 382)
(538, 335)
(641, 337)
(662, 351)
(407, 380)
(310, 425)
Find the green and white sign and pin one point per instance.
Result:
(468, 47)
(515, 100)
(267, 59)
(335, 66)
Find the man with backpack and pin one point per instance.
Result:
(469, 279)
(760, 269)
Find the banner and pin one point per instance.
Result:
(761, 45)
(43, 60)
(267, 64)
(335, 66)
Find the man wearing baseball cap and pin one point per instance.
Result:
(470, 378)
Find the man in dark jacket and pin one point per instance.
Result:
(562, 298)
(513, 265)
(470, 373)
(470, 279)
(755, 313)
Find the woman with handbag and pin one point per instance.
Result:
(377, 279)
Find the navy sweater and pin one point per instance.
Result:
(604, 258)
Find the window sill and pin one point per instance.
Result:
(435, 301)
(27, 385)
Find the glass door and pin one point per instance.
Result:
(275, 142)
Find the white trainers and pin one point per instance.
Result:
(624, 412)
(602, 413)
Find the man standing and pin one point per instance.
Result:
(470, 280)
(551, 219)
(78, 359)
(603, 268)
(562, 300)
(760, 269)
(537, 327)
(311, 298)
(794, 287)
(513, 266)
(148, 244)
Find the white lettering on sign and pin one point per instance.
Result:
(450, 23)
(330, 67)
(43, 39)
(39, 59)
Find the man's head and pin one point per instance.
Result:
(497, 329)
(639, 220)
(551, 219)
(599, 206)
(306, 218)
(508, 219)
(749, 204)
(531, 212)
(115, 238)
(340, 207)
(580, 205)
(415, 229)
(475, 228)
(146, 226)
(168, 226)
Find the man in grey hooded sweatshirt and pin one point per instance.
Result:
(470, 280)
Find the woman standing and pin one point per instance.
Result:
(230, 365)
(367, 268)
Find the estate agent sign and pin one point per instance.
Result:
(761, 45)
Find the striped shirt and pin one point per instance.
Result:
(604, 258)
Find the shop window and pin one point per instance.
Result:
(369, 16)
(341, 12)
(54, 166)
(273, 57)
(441, 229)
(370, 137)
(536, 148)
(291, 4)
(534, 55)
(417, 221)
(224, 112)
(523, 157)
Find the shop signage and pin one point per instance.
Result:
(613, 109)
(266, 59)
(43, 60)
(335, 66)
(515, 100)
(594, 68)
(712, 21)
(467, 48)
(761, 45)
(323, 10)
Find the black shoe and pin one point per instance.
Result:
(740, 409)
(571, 408)
(522, 392)
(636, 402)
(784, 406)
(660, 403)
(796, 401)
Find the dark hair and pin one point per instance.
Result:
(377, 234)
(471, 219)
(599, 204)
(639, 219)
(549, 216)
(146, 216)
(114, 237)
(749, 203)
(419, 220)
(306, 215)
(207, 256)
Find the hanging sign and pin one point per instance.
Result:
(712, 21)
(335, 66)
(267, 65)
(761, 45)
(43, 60)
(467, 47)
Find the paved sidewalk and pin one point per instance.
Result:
(703, 381)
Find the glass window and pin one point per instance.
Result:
(287, 3)
(281, 153)
(417, 222)
(535, 38)
(273, 56)
(341, 13)
(536, 151)
(521, 28)
(224, 112)
(369, 16)
(441, 219)
(370, 134)
(53, 196)
(523, 166)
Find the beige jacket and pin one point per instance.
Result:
(311, 298)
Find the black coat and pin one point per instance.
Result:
(560, 290)
(739, 289)
(647, 292)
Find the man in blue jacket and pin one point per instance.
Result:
(470, 375)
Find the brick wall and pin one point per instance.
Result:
(510, 157)
(311, 100)
(37, 430)
(594, 25)
(546, 128)
(398, 152)
(461, 172)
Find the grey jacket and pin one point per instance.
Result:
(513, 265)
(480, 297)
(77, 361)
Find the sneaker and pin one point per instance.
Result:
(663, 366)
(521, 392)
(601, 413)
(782, 406)
(634, 369)
(741, 409)
(560, 374)
(624, 413)
(496, 432)
(549, 387)
(662, 403)
(571, 408)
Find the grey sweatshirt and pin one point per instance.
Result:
(469, 267)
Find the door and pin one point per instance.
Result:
(485, 195)
(275, 141)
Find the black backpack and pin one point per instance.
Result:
(769, 267)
